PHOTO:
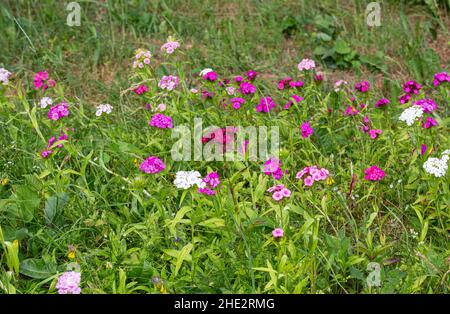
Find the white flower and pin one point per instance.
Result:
(446, 152)
(230, 90)
(187, 179)
(409, 115)
(435, 166)
(337, 85)
(106, 108)
(205, 71)
(45, 101)
(194, 91)
(4, 76)
(161, 107)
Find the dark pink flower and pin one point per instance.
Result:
(382, 102)
(440, 78)
(59, 111)
(306, 130)
(362, 87)
(428, 123)
(373, 173)
(152, 165)
(140, 89)
(161, 121)
(265, 104)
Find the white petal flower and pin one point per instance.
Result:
(409, 115)
(205, 71)
(4, 76)
(45, 101)
(435, 166)
(187, 179)
(106, 108)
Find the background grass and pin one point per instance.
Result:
(91, 197)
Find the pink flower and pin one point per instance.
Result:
(362, 87)
(230, 90)
(237, 102)
(251, 75)
(296, 98)
(286, 192)
(273, 167)
(59, 111)
(423, 149)
(277, 196)
(210, 76)
(152, 165)
(382, 102)
(306, 129)
(41, 81)
(428, 105)
(161, 121)
(206, 191)
(279, 192)
(246, 88)
(212, 179)
(170, 46)
(278, 233)
(373, 173)
(428, 123)
(168, 82)
(309, 181)
(306, 64)
(411, 87)
(351, 111)
(440, 78)
(302, 172)
(404, 98)
(265, 104)
(68, 283)
(140, 89)
(374, 133)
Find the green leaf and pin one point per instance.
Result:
(341, 47)
(36, 268)
(54, 205)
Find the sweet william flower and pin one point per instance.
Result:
(152, 165)
(4, 76)
(45, 101)
(161, 121)
(68, 283)
(59, 111)
(306, 65)
(428, 123)
(265, 104)
(411, 114)
(373, 173)
(374, 133)
(362, 87)
(278, 233)
(440, 78)
(306, 130)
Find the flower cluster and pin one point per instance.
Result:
(306, 130)
(59, 111)
(170, 46)
(295, 98)
(211, 181)
(437, 166)
(68, 283)
(373, 173)
(152, 165)
(306, 65)
(265, 104)
(382, 102)
(63, 136)
(313, 173)
(339, 85)
(103, 108)
(42, 81)
(279, 192)
(440, 78)
(140, 89)
(4, 76)
(428, 123)
(273, 167)
(409, 115)
(247, 88)
(142, 58)
(45, 101)
(288, 82)
(237, 102)
(210, 76)
(428, 105)
(362, 87)
(161, 121)
(187, 179)
(168, 82)
(410, 88)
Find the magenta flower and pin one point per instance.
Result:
(152, 165)
(411, 87)
(246, 88)
(59, 111)
(207, 95)
(206, 191)
(210, 76)
(273, 167)
(212, 179)
(351, 111)
(41, 81)
(374, 133)
(362, 87)
(279, 192)
(309, 181)
(423, 149)
(237, 102)
(161, 121)
(265, 104)
(170, 46)
(313, 174)
(278, 233)
(306, 129)
(403, 99)
(140, 89)
(251, 75)
(68, 283)
(382, 102)
(428, 123)
(428, 105)
(238, 78)
(373, 173)
(440, 78)
(295, 98)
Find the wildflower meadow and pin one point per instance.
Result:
(254, 147)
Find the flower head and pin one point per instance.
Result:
(278, 233)
(59, 111)
(142, 58)
(103, 108)
(186, 179)
(152, 165)
(168, 82)
(306, 130)
(237, 102)
(170, 46)
(437, 166)
(45, 101)
(382, 102)
(339, 85)
(42, 81)
(210, 76)
(411, 87)
(68, 283)
(428, 105)
(362, 87)
(409, 115)
(4, 76)
(373, 173)
(140, 89)
(265, 104)
(273, 167)
(306, 64)
(440, 78)
(161, 121)
(429, 122)
(246, 88)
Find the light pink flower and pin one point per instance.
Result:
(278, 233)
